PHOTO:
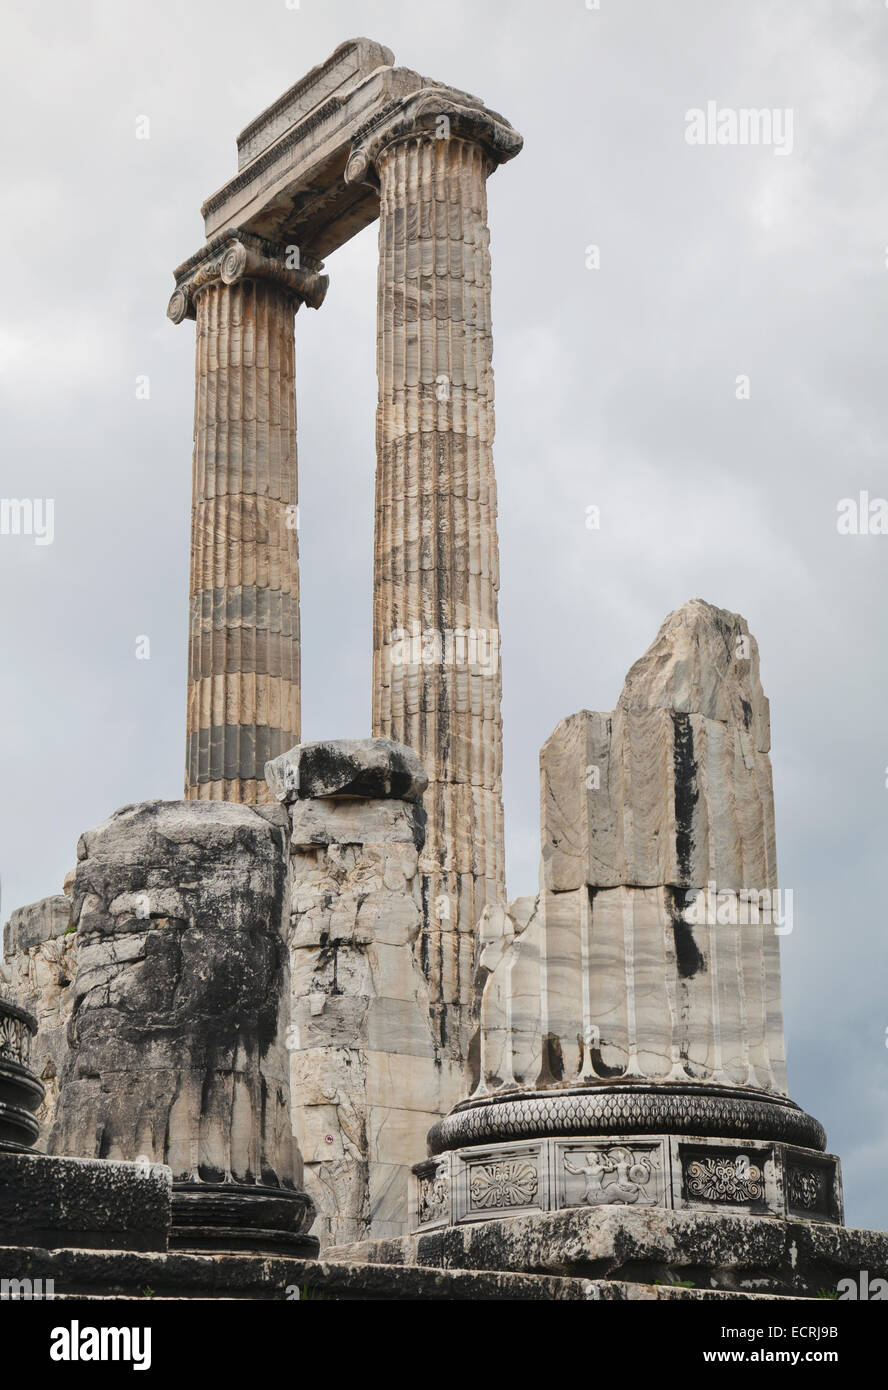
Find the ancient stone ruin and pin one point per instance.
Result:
(294, 1013)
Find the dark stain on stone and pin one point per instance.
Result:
(420, 819)
(688, 956)
(686, 792)
(424, 934)
(601, 1067)
(552, 1068)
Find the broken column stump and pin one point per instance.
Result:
(368, 1075)
(176, 1047)
(630, 1050)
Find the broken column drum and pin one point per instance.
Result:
(631, 1038)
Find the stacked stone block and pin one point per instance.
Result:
(367, 1075)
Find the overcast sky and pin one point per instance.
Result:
(616, 387)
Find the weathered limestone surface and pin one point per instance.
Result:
(348, 65)
(653, 950)
(436, 670)
(640, 1245)
(369, 769)
(91, 1273)
(36, 924)
(51, 1202)
(684, 790)
(367, 1076)
(177, 1038)
(39, 963)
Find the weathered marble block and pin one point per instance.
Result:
(36, 924)
(367, 1076)
(60, 1203)
(652, 952)
(177, 1051)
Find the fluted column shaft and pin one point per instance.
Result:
(243, 645)
(436, 670)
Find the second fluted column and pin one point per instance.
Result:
(436, 670)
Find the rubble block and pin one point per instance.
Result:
(38, 922)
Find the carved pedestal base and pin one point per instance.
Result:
(750, 1176)
(628, 1107)
(21, 1094)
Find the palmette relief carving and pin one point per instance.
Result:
(725, 1179)
(508, 1183)
(614, 1175)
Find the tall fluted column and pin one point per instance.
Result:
(436, 670)
(243, 644)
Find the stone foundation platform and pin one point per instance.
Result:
(90, 1274)
(647, 1247)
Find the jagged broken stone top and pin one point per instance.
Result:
(704, 661)
(673, 787)
(184, 825)
(366, 768)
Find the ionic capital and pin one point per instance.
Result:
(237, 255)
(437, 113)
